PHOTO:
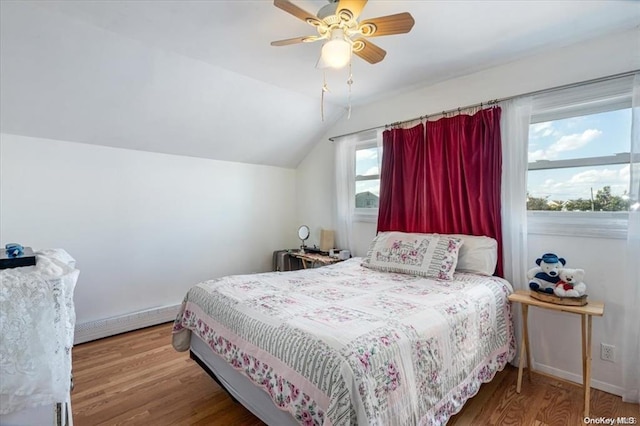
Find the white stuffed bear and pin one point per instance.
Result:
(570, 284)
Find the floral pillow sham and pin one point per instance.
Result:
(427, 255)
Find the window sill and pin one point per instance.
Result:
(365, 216)
(610, 225)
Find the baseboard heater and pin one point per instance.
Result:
(98, 329)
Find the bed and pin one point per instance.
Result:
(347, 344)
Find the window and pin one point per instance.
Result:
(579, 163)
(367, 180)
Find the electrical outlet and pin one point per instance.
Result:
(607, 352)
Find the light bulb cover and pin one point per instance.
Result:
(336, 53)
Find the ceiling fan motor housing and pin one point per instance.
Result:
(328, 9)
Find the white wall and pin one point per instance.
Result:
(143, 227)
(315, 191)
(556, 336)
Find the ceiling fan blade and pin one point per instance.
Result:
(368, 51)
(354, 6)
(387, 25)
(296, 11)
(288, 41)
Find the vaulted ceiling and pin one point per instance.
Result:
(200, 78)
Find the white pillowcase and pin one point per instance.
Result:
(428, 255)
(478, 254)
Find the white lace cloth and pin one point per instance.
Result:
(37, 320)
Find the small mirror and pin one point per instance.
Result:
(303, 234)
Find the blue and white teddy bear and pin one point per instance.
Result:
(546, 275)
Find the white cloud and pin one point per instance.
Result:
(574, 121)
(542, 130)
(579, 185)
(371, 171)
(625, 174)
(595, 176)
(537, 155)
(371, 186)
(565, 143)
(574, 141)
(367, 154)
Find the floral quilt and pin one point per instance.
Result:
(347, 345)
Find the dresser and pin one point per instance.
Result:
(37, 321)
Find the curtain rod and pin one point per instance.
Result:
(493, 102)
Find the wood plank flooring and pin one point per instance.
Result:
(138, 378)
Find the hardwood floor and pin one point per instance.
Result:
(138, 378)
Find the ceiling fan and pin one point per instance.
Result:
(337, 22)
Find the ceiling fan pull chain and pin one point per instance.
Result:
(325, 88)
(349, 83)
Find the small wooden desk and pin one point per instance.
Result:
(314, 259)
(587, 312)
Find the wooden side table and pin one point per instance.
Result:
(587, 312)
(314, 259)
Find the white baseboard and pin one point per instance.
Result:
(577, 378)
(98, 329)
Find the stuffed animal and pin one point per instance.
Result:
(570, 284)
(545, 276)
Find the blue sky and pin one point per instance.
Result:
(594, 135)
(367, 164)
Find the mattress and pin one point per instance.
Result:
(345, 345)
(239, 386)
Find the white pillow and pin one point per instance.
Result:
(428, 255)
(478, 255)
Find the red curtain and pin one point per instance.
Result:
(403, 189)
(445, 179)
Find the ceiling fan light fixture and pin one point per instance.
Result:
(336, 53)
(337, 24)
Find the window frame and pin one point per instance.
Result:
(610, 225)
(365, 214)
